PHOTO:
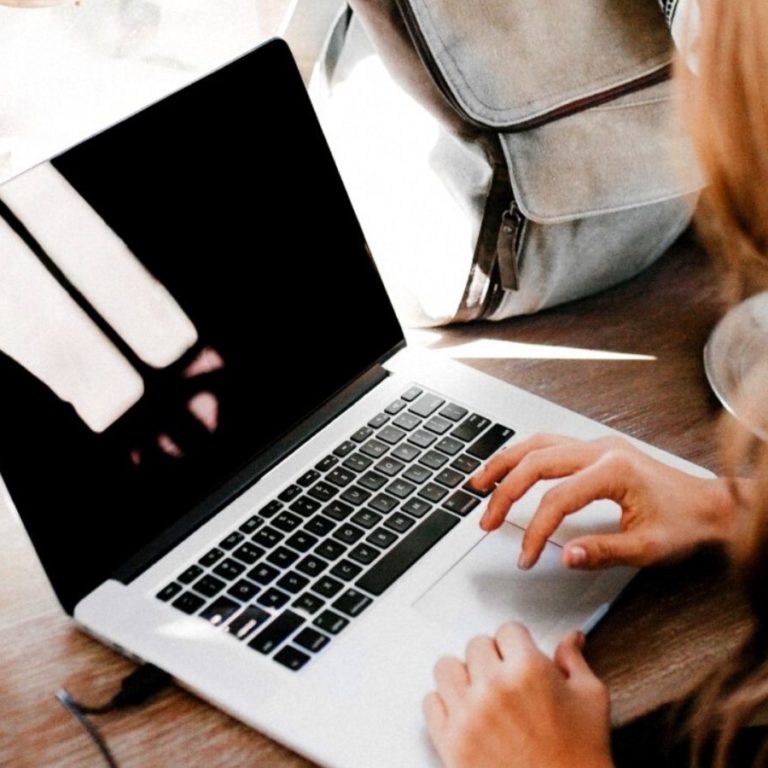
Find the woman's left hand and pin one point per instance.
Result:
(510, 706)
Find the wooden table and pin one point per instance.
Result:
(663, 632)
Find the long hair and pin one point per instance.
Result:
(726, 109)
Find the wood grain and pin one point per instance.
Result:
(660, 637)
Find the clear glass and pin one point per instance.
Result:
(736, 362)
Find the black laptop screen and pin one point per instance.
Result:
(184, 289)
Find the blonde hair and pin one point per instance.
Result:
(726, 108)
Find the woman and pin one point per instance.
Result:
(507, 704)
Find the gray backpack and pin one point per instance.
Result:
(557, 131)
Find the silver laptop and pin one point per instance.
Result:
(228, 462)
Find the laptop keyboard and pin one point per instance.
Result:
(296, 573)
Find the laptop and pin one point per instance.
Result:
(229, 462)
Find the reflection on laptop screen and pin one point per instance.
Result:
(181, 290)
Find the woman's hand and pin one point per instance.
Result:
(509, 706)
(665, 513)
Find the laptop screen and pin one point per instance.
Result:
(179, 292)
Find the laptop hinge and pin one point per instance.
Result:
(249, 474)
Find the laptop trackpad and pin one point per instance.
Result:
(486, 588)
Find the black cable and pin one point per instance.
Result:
(135, 689)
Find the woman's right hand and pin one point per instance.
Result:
(665, 513)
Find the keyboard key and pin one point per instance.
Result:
(290, 493)
(470, 428)
(401, 489)
(312, 566)
(271, 509)
(426, 405)
(362, 434)
(341, 477)
(338, 510)
(252, 524)
(323, 491)
(232, 540)
(417, 473)
(220, 610)
(244, 623)
(248, 553)
(330, 550)
(366, 518)
(166, 593)
(454, 412)
(356, 495)
(373, 481)
(422, 438)
(243, 590)
(301, 541)
(291, 657)
(346, 570)
(461, 503)
(432, 492)
(305, 506)
(191, 574)
(268, 537)
(320, 526)
(263, 573)
(345, 448)
(378, 421)
(364, 553)
(406, 552)
(416, 507)
(311, 639)
(374, 448)
(383, 503)
(484, 493)
(287, 522)
(395, 407)
(308, 603)
(391, 435)
(407, 421)
(450, 446)
(406, 452)
(347, 533)
(433, 459)
(357, 462)
(352, 602)
(411, 394)
(229, 569)
(208, 586)
(381, 538)
(309, 477)
(276, 632)
(188, 602)
(491, 441)
(465, 463)
(292, 582)
(399, 522)
(326, 586)
(282, 557)
(273, 598)
(209, 558)
(327, 463)
(331, 622)
(389, 466)
(449, 477)
(438, 425)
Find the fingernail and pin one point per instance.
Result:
(577, 556)
(523, 562)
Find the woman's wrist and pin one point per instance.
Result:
(720, 516)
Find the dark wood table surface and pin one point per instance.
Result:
(658, 639)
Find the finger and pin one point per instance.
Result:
(514, 641)
(600, 551)
(569, 658)
(597, 481)
(451, 679)
(508, 459)
(541, 464)
(436, 716)
(482, 658)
